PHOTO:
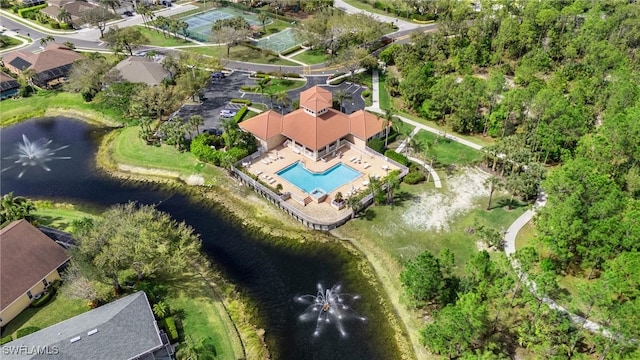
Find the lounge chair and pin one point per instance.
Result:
(272, 180)
(367, 165)
(258, 172)
(266, 161)
(353, 158)
(273, 157)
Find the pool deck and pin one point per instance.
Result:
(269, 164)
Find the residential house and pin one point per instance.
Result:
(75, 8)
(316, 129)
(120, 330)
(8, 86)
(29, 262)
(51, 66)
(139, 69)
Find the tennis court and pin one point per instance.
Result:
(200, 24)
(278, 42)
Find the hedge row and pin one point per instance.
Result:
(338, 81)
(241, 101)
(414, 177)
(240, 114)
(26, 331)
(291, 50)
(397, 157)
(171, 329)
(6, 339)
(43, 299)
(279, 74)
(24, 12)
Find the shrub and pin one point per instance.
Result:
(377, 145)
(414, 177)
(201, 148)
(240, 114)
(293, 75)
(291, 50)
(6, 339)
(43, 299)
(25, 12)
(237, 153)
(65, 26)
(26, 331)
(397, 157)
(286, 82)
(366, 93)
(388, 55)
(55, 25)
(262, 75)
(169, 325)
(337, 81)
(241, 101)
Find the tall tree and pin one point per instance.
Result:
(422, 279)
(230, 31)
(125, 39)
(46, 39)
(97, 17)
(493, 183)
(14, 208)
(63, 16)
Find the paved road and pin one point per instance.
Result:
(402, 24)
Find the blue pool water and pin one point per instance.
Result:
(308, 181)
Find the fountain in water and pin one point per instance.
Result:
(328, 306)
(31, 154)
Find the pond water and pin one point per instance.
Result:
(272, 275)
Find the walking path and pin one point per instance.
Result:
(436, 178)
(516, 226)
(402, 24)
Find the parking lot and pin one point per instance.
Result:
(219, 92)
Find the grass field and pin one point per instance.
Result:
(57, 310)
(385, 99)
(8, 42)
(448, 152)
(156, 38)
(202, 314)
(59, 216)
(279, 85)
(478, 139)
(241, 53)
(129, 149)
(275, 26)
(312, 57)
(16, 110)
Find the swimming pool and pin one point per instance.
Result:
(328, 180)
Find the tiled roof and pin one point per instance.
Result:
(26, 257)
(123, 329)
(316, 98)
(314, 132)
(54, 56)
(265, 125)
(365, 124)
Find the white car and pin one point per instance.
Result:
(226, 113)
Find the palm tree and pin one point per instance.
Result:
(113, 4)
(46, 39)
(403, 130)
(14, 208)
(161, 309)
(144, 11)
(63, 16)
(282, 99)
(392, 182)
(494, 183)
(162, 23)
(386, 121)
(263, 18)
(195, 122)
(341, 96)
(354, 203)
(28, 75)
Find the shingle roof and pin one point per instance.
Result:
(54, 56)
(126, 329)
(73, 7)
(7, 82)
(26, 257)
(137, 69)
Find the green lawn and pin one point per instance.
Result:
(16, 110)
(312, 57)
(202, 315)
(384, 227)
(275, 26)
(8, 42)
(478, 139)
(385, 99)
(59, 216)
(127, 148)
(156, 38)
(367, 7)
(448, 152)
(242, 53)
(57, 310)
(279, 85)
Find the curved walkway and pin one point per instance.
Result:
(510, 249)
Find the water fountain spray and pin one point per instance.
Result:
(31, 154)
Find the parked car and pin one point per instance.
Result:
(212, 131)
(226, 113)
(127, 13)
(217, 75)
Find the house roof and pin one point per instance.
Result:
(54, 56)
(74, 8)
(314, 132)
(316, 98)
(138, 69)
(126, 329)
(365, 124)
(26, 257)
(265, 125)
(7, 82)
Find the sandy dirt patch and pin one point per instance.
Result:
(435, 210)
